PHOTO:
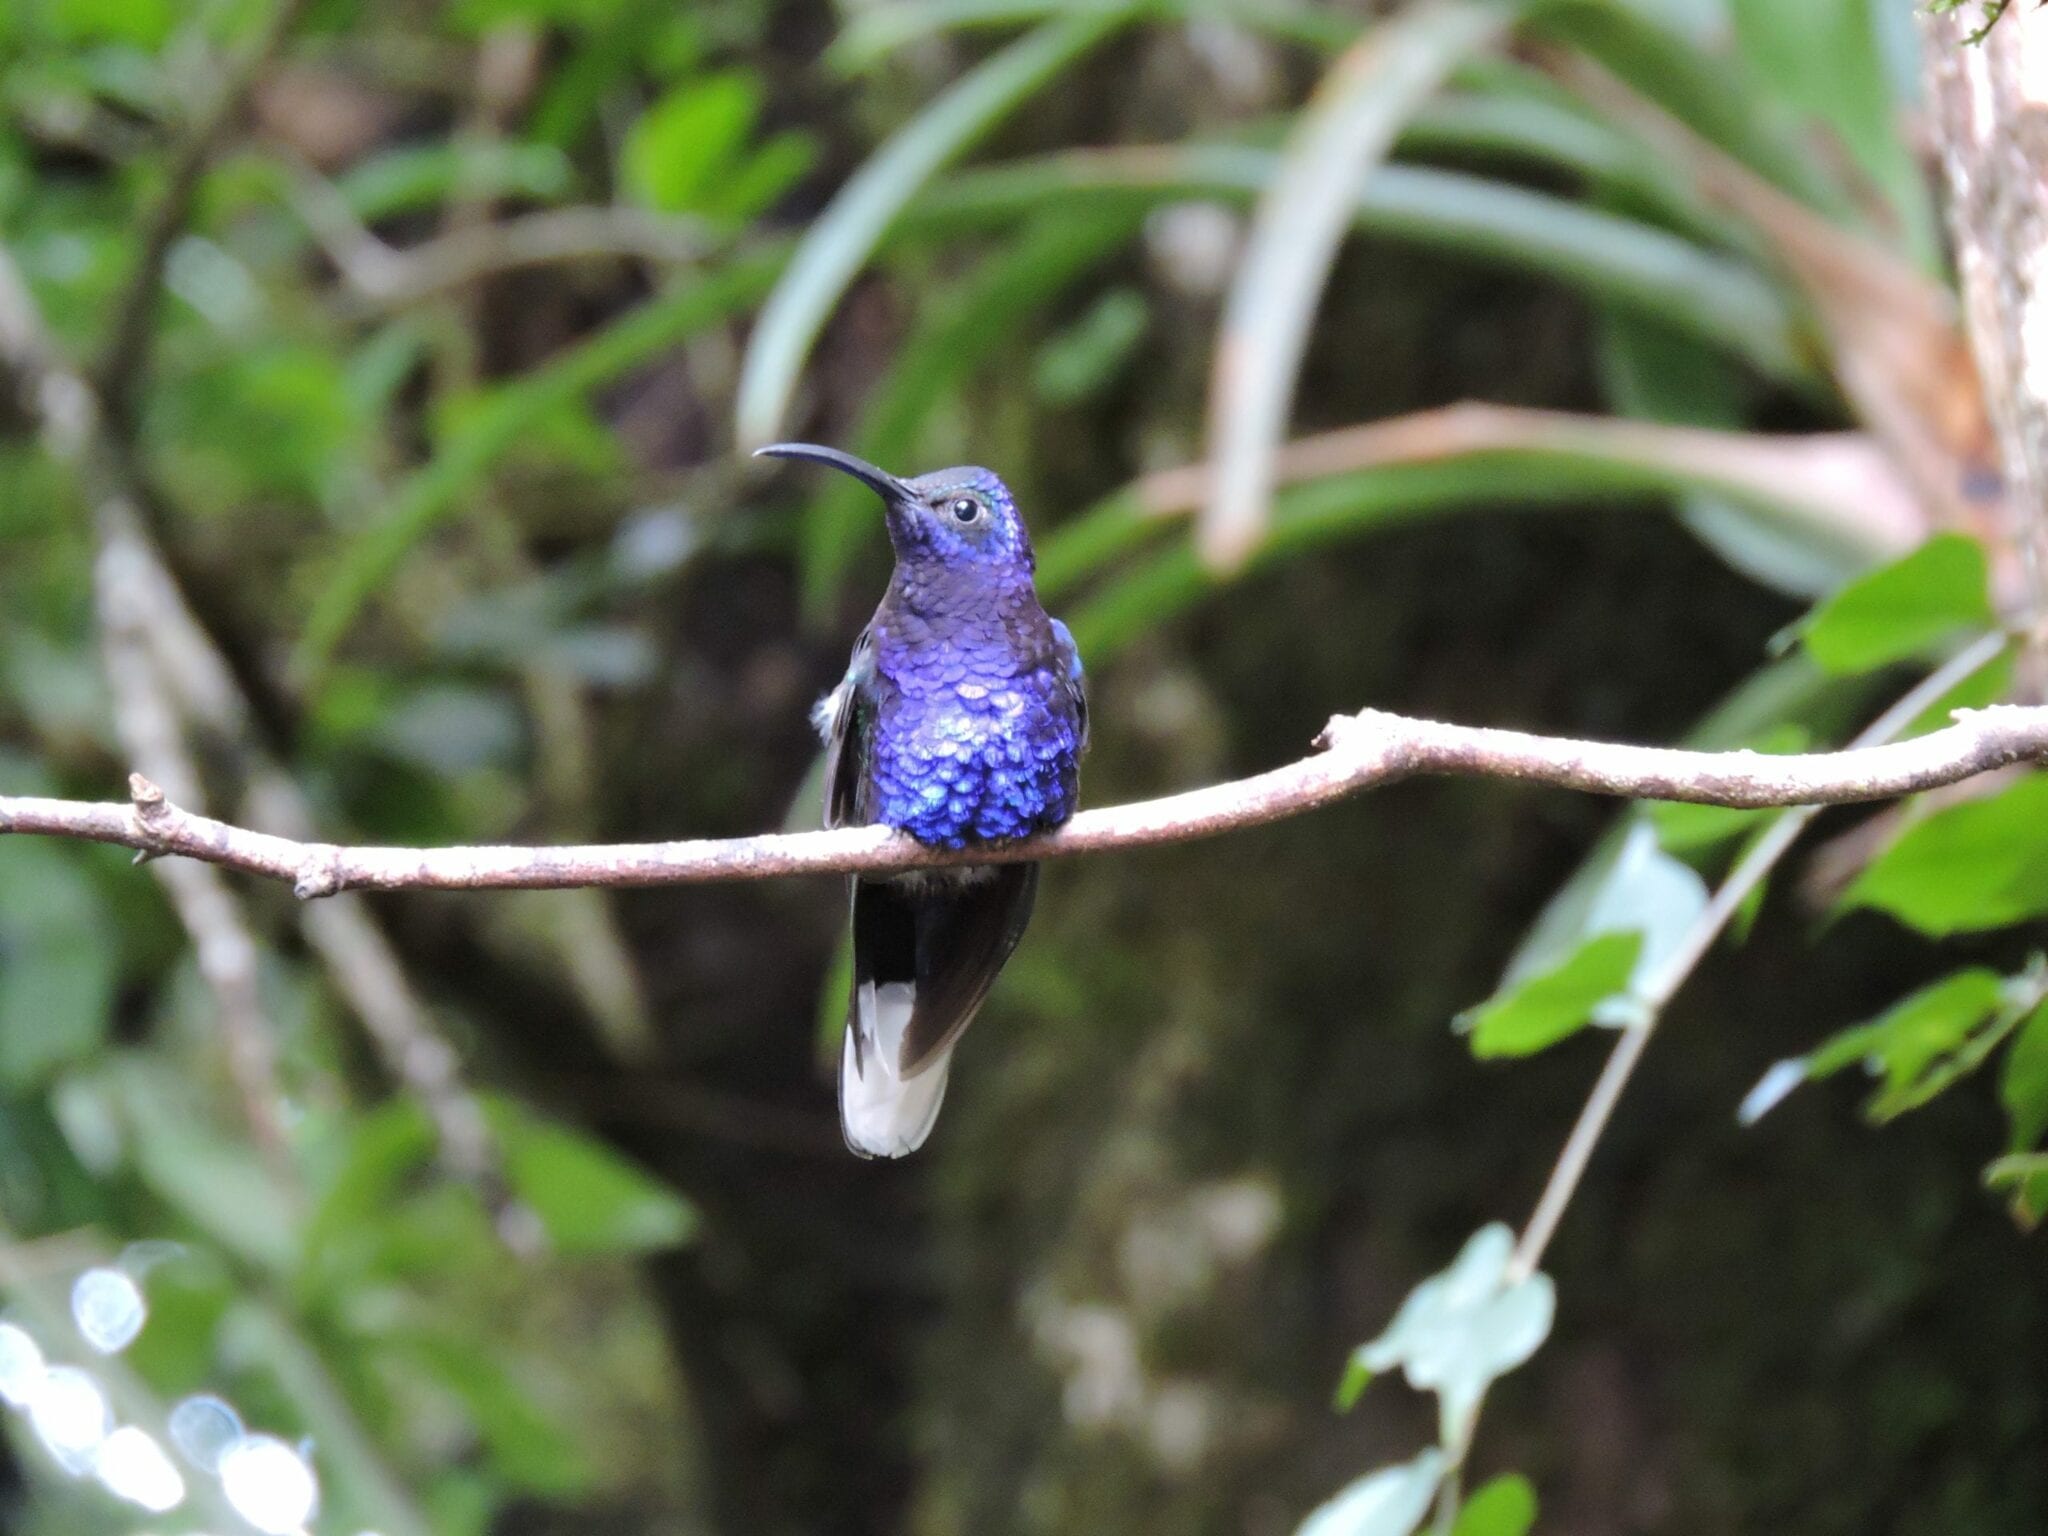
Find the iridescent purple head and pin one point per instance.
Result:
(955, 517)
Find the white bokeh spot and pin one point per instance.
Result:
(69, 1414)
(21, 1367)
(202, 1428)
(269, 1484)
(108, 1308)
(134, 1467)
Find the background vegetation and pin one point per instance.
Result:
(418, 513)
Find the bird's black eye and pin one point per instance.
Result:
(965, 509)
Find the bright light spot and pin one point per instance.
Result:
(21, 1366)
(71, 1417)
(1770, 1091)
(108, 1308)
(134, 1467)
(269, 1485)
(203, 1428)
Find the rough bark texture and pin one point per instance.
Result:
(1989, 108)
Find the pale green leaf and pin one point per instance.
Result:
(57, 958)
(1345, 131)
(589, 1199)
(1389, 1502)
(844, 237)
(1538, 1012)
(1461, 1330)
(1904, 609)
(2023, 1086)
(1908, 1039)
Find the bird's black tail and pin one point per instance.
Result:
(926, 950)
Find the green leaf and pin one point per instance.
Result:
(527, 1448)
(1657, 372)
(2027, 1177)
(875, 30)
(1389, 1502)
(1826, 58)
(417, 178)
(193, 1163)
(956, 331)
(79, 23)
(1351, 1386)
(2023, 1086)
(761, 177)
(1506, 1506)
(433, 491)
(1087, 355)
(1640, 889)
(380, 1152)
(1624, 261)
(680, 147)
(1981, 864)
(1905, 1041)
(589, 1199)
(1549, 1007)
(1461, 1330)
(1904, 609)
(844, 237)
(1347, 128)
(56, 962)
(1710, 93)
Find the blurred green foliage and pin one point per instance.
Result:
(453, 356)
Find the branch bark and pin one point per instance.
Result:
(1359, 752)
(1988, 102)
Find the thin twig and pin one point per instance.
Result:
(1660, 988)
(147, 722)
(129, 340)
(190, 668)
(223, 945)
(1362, 752)
(388, 278)
(358, 958)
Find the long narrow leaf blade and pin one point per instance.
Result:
(1704, 293)
(844, 237)
(1835, 494)
(951, 338)
(1347, 129)
(874, 32)
(432, 492)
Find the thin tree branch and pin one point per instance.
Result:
(147, 721)
(1749, 872)
(1360, 752)
(189, 666)
(1983, 110)
(126, 358)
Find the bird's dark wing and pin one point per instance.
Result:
(1073, 675)
(966, 932)
(843, 718)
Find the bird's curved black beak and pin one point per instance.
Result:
(880, 481)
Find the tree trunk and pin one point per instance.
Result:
(1988, 105)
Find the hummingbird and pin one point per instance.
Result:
(961, 720)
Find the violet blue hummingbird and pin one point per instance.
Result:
(961, 720)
